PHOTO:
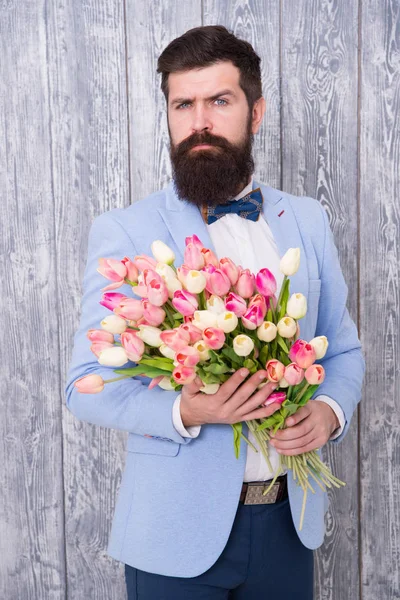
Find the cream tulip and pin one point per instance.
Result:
(290, 262)
(243, 345)
(287, 327)
(296, 306)
(114, 324)
(195, 282)
(162, 252)
(113, 357)
(320, 345)
(204, 318)
(267, 331)
(150, 335)
(227, 321)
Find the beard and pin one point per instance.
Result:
(215, 175)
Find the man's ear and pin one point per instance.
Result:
(258, 114)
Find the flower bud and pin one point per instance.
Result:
(185, 302)
(267, 331)
(150, 335)
(214, 337)
(113, 357)
(320, 345)
(227, 321)
(188, 356)
(100, 335)
(203, 350)
(265, 282)
(114, 324)
(296, 306)
(293, 374)
(275, 370)
(165, 384)
(167, 351)
(89, 384)
(162, 253)
(302, 354)
(315, 374)
(215, 304)
(275, 398)
(195, 281)
(114, 270)
(204, 318)
(243, 345)
(236, 304)
(290, 262)
(287, 327)
(184, 375)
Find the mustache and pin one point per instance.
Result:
(197, 139)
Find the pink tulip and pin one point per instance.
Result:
(140, 289)
(293, 374)
(129, 308)
(134, 346)
(98, 347)
(188, 357)
(302, 354)
(177, 339)
(184, 375)
(259, 300)
(218, 283)
(253, 317)
(228, 267)
(111, 299)
(245, 283)
(275, 397)
(142, 262)
(235, 304)
(265, 282)
(185, 302)
(193, 239)
(114, 270)
(195, 333)
(153, 315)
(275, 370)
(315, 374)
(132, 271)
(100, 335)
(89, 384)
(193, 257)
(149, 275)
(157, 292)
(209, 257)
(214, 337)
(155, 381)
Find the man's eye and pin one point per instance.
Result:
(187, 103)
(221, 100)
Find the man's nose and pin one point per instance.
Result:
(201, 119)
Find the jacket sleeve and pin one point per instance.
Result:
(128, 404)
(344, 363)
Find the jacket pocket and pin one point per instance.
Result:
(150, 445)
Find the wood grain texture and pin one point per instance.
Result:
(150, 27)
(89, 129)
(380, 299)
(319, 142)
(258, 23)
(32, 561)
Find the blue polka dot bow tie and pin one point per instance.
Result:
(248, 207)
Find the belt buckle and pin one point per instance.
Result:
(254, 493)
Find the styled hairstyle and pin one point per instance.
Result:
(203, 46)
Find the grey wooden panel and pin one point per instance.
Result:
(319, 143)
(32, 564)
(258, 23)
(86, 53)
(379, 299)
(151, 26)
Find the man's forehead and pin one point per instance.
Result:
(204, 81)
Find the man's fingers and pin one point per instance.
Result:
(261, 413)
(230, 386)
(194, 387)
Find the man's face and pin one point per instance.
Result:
(207, 106)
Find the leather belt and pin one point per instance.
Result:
(252, 491)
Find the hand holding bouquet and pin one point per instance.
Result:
(208, 318)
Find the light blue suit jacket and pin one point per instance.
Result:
(178, 496)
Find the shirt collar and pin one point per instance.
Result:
(245, 190)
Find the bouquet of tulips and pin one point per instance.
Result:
(208, 318)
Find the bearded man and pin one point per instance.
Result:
(185, 526)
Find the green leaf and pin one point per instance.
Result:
(285, 298)
(249, 364)
(237, 430)
(264, 354)
(233, 357)
(208, 377)
(165, 364)
(291, 408)
(143, 370)
(282, 344)
(307, 394)
(269, 315)
(216, 368)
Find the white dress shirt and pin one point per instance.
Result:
(251, 245)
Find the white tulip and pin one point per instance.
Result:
(287, 327)
(210, 388)
(267, 331)
(150, 335)
(195, 282)
(165, 384)
(113, 357)
(290, 262)
(162, 252)
(114, 324)
(320, 345)
(165, 271)
(243, 345)
(167, 351)
(227, 321)
(283, 383)
(203, 350)
(215, 304)
(296, 306)
(173, 284)
(204, 318)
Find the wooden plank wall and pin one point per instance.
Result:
(83, 129)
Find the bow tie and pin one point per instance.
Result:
(248, 207)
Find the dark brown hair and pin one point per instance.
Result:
(208, 45)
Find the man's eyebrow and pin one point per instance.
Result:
(213, 97)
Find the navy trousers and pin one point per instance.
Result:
(262, 560)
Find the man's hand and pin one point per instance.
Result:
(236, 400)
(309, 428)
